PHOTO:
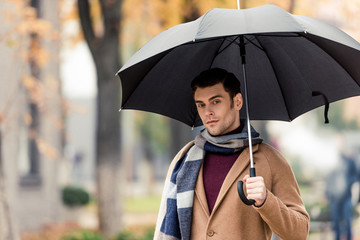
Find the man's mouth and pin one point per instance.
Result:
(211, 122)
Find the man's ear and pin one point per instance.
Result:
(238, 101)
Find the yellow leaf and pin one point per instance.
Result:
(2, 118)
(46, 149)
(28, 119)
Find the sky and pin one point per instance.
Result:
(77, 67)
(78, 72)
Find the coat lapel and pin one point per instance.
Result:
(236, 170)
(200, 191)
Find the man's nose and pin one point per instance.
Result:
(209, 111)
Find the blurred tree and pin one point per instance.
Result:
(6, 222)
(291, 6)
(154, 129)
(33, 106)
(100, 22)
(139, 25)
(24, 32)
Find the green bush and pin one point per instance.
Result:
(75, 196)
(129, 235)
(146, 234)
(149, 234)
(126, 235)
(82, 235)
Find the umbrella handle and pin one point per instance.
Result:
(241, 190)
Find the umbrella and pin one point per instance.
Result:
(287, 64)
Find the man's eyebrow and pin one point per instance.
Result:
(211, 98)
(216, 96)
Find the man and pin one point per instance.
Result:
(200, 199)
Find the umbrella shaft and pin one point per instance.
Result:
(248, 117)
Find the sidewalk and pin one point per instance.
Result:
(328, 234)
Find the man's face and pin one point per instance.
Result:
(215, 108)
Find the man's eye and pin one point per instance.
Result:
(216, 102)
(200, 105)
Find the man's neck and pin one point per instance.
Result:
(236, 130)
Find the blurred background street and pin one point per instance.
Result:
(73, 167)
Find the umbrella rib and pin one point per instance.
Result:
(231, 42)
(294, 34)
(329, 54)
(250, 41)
(281, 90)
(217, 52)
(220, 45)
(266, 35)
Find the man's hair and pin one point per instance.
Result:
(214, 76)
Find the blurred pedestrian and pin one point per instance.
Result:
(77, 163)
(338, 191)
(200, 198)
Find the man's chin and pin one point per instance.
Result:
(213, 132)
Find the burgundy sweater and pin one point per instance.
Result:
(216, 167)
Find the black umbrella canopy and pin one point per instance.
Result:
(288, 58)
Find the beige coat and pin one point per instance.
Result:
(282, 213)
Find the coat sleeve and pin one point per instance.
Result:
(283, 210)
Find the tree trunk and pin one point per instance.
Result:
(242, 4)
(108, 156)
(105, 51)
(6, 229)
(192, 11)
(34, 112)
(180, 135)
(291, 6)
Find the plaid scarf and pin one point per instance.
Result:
(176, 223)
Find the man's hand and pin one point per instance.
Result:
(255, 189)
